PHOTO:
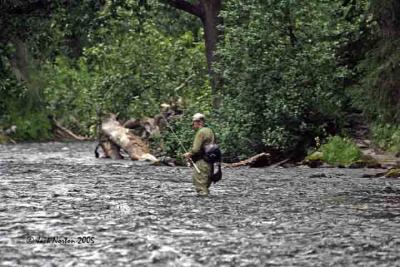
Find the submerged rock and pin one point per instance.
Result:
(366, 161)
(314, 160)
(315, 156)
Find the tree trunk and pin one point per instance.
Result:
(208, 11)
(211, 20)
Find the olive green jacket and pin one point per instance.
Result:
(204, 136)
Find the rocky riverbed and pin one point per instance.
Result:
(60, 206)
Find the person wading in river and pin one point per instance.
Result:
(203, 137)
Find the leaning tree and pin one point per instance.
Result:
(208, 12)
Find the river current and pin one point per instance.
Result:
(60, 206)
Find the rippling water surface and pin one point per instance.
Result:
(60, 206)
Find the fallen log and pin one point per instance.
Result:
(63, 133)
(257, 161)
(125, 139)
(280, 163)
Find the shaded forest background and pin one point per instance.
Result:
(271, 75)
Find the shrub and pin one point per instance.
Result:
(340, 151)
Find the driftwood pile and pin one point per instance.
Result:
(119, 137)
(133, 135)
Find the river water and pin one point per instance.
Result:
(60, 206)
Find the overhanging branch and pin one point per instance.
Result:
(193, 9)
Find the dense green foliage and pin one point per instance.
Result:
(122, 77)
(283, 85)
(291, 70)
(129, 66)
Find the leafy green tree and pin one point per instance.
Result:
(104, 55)
(283, 85)
(127, 72)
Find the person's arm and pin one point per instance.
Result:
(197, 144)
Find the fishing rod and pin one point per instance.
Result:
(181, 144)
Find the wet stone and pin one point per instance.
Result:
(126, 213)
